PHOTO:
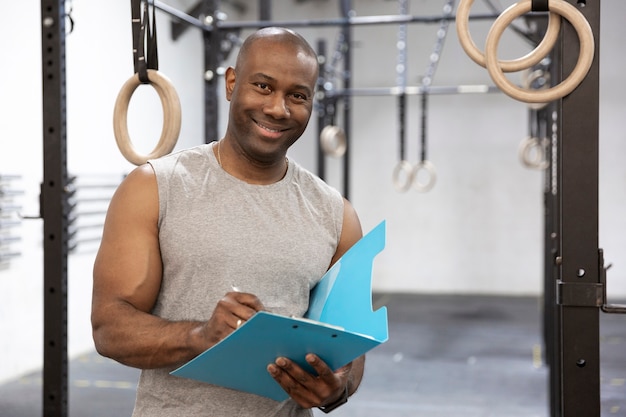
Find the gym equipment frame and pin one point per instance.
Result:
(575, 273)
(54, 208)
(575, 276)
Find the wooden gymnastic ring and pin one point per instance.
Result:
(171, 118)
(403, 176)
(585, 57)
(527, 61)
(525, 152)
(429, 167)
(333, 141)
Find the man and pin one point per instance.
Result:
(198, 241)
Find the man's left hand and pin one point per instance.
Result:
(310, 390)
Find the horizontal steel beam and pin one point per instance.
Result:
(411, 90)
(340, 21)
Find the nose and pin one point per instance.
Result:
(276, 106)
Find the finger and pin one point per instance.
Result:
(238, 317)
(294, 371)
(249, 300)
(323, 370)
(283, 378)
(295, 381)
(331, 384)
(236, 306)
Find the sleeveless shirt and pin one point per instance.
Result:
(215, 232)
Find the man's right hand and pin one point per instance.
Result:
(230, 312)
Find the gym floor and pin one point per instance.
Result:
(447, 356)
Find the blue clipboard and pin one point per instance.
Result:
(339, 326)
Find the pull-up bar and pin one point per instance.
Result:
(211, 23)
(412, 90)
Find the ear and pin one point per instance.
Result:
(229, 81)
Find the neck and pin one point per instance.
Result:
(246, 169)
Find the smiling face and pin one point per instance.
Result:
(271, 94)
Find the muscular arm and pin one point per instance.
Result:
(127, 278)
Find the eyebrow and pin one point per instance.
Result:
(297, 86)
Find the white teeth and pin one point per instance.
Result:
(268, 129)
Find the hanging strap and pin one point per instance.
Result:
(145, 54)
(539, 6)
(424, 127)
(401, 77)
(402, 124)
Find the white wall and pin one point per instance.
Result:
(99, 61)
(479, 230)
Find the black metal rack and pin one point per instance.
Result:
(574, 291)
(54, 208)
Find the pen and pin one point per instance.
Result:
(236, 289)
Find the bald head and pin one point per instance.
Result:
(275, 34)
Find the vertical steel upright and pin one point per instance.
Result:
(578, 288)
(54, 209)
(265, 10)
(212, 60)
(552, 242)
(322, 107)
(346, 30)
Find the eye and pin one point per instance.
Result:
(263, 86)
(300, 97)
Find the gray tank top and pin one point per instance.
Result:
(215, 232)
